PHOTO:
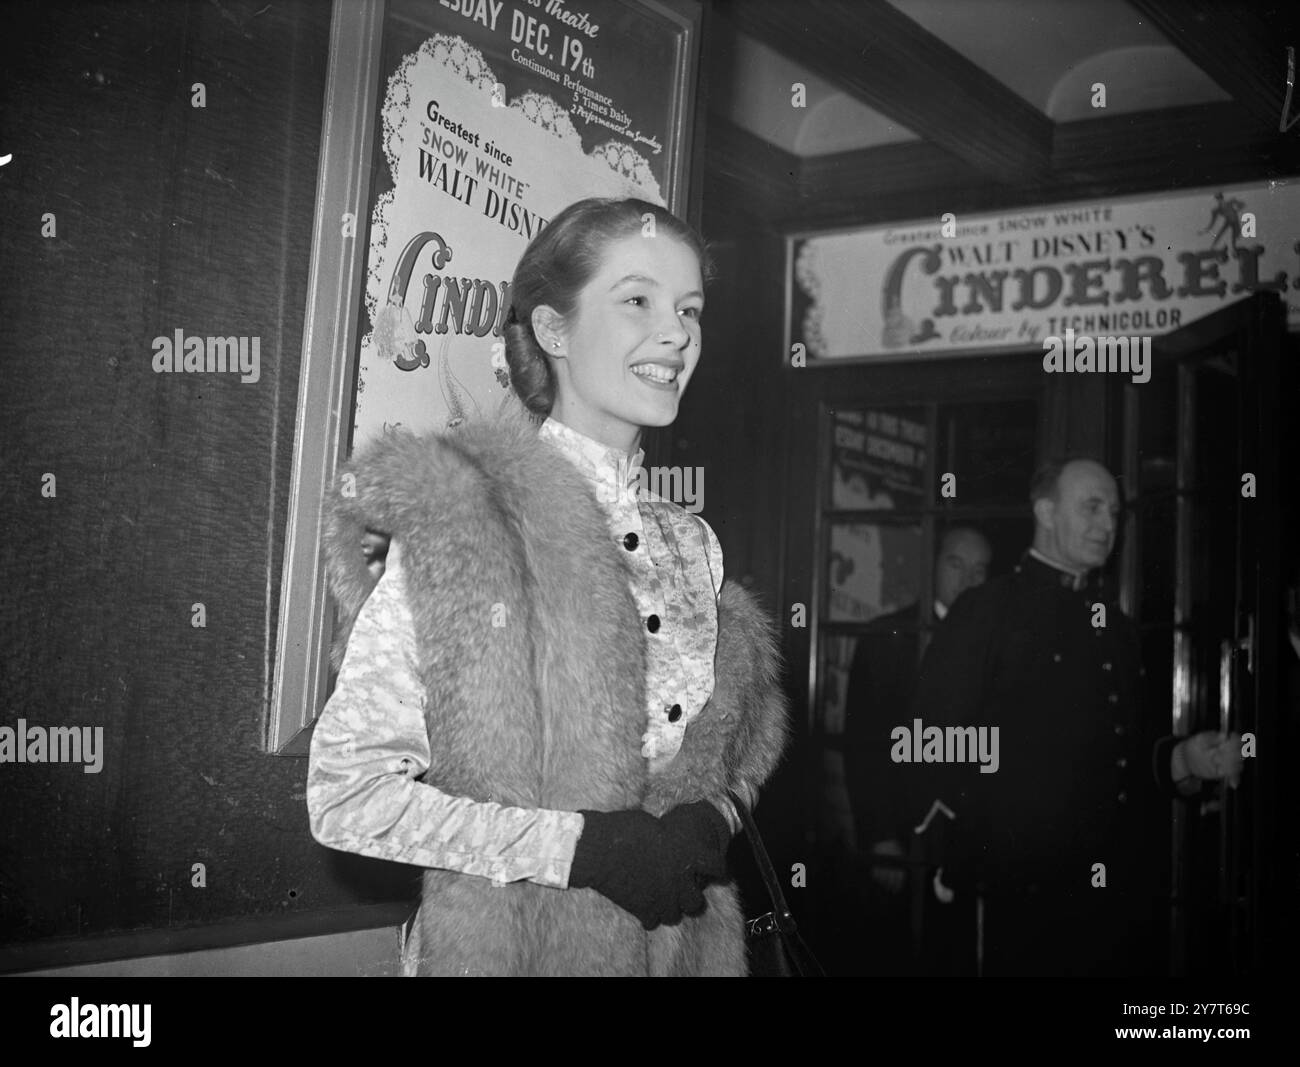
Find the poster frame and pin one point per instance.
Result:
(298, 663)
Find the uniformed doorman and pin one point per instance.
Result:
(1064, 842)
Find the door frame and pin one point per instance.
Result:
(1256, 328)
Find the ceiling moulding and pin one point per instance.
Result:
(750, 83)
(1241, 46)
(1094, 158)
(886, 61)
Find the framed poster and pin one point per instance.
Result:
(454, 131)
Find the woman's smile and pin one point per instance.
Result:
(659, 375)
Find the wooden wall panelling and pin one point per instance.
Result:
(171, 487)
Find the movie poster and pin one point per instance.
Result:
(503, 115)
(1137, 267)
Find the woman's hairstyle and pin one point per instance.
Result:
(555, 267)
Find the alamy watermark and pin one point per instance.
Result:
(54, 744)
(680, 485)
(211, 355)
(1080, 355)
(102, 1020)
(946, 744)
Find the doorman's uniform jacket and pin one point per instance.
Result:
(1083, 775)
(530, 654)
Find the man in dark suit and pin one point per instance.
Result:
(881, 682)
(1060, 835)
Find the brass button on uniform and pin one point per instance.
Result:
(1122, 798)
(631, 541)
(1105, 666)
(1056, 657)
(1119, 730)
(1121, 763)
(1113, 698)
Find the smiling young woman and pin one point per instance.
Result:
(608, 330)
(548, 694)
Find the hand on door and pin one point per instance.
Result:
(1211, 756)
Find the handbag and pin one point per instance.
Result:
(775, 948)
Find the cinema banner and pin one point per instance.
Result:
(498, 116)
(971, 283)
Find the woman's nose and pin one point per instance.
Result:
(674, 332)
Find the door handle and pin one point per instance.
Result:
(1227, 653)
(1247, 643)
(1228, 650)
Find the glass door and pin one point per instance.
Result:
(1200, 573)
(897, 478)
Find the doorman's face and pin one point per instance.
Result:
(633, 341)
(1085, 515)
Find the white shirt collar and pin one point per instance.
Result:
(610, 470)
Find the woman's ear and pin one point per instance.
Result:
(548, 328)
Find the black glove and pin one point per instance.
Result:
(702, 824)
(655, 869)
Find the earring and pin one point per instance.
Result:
(555, 344)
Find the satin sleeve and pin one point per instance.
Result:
(370, 747)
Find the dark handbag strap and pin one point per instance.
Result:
(780, 910)
(780, 920)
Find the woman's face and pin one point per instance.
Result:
(632, 342)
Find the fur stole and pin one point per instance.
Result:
(533, 657)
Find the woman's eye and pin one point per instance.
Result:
(692, 312)
(638, 300)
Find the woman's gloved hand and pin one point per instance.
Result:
(704, 824)
(654, 869)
